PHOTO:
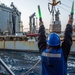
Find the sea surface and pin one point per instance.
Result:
(22, 62)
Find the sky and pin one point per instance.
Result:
(28, 7)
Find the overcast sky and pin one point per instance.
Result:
(28, 7)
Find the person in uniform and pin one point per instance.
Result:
(53, 55)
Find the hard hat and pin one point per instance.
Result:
(53, 39)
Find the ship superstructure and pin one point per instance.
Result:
(10, 19)
(55, 26)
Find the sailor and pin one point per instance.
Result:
(54, 57)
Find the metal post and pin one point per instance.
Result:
(6, 67)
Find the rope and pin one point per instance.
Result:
(32, 67)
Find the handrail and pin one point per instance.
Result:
(6, 67)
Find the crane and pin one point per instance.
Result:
(53, 4)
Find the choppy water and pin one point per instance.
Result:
(20, 62)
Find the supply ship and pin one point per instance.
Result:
(12, 36)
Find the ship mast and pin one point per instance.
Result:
(55, 25)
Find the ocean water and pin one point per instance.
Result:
(21, 62)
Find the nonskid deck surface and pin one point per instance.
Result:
(20, 62)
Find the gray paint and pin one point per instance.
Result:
(6, 23)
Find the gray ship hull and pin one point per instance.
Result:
(30, 46)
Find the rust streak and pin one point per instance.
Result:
(4, 44)
(14, 44)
